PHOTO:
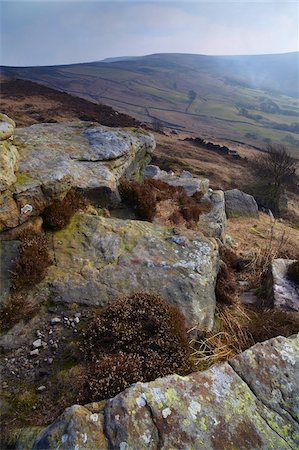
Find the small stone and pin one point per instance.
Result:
(44, 344)
(41, 388)
(78, 314)
(76, 319)
(34, 352)
(39, 334)
(55, 320)
(37, 343)
(50, 360)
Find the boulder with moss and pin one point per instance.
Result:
(240, 204)
(98, 259)
(249, 402)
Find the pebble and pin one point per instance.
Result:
(55, 320)
(41, 388)
(37, 343)
(50, 360)
(78, 314)
(34, 352)
(76, 319)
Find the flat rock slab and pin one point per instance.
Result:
(250, 402)
(100, 259)
(284, 292)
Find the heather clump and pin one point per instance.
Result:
(138, 338)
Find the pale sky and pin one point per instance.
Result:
(44, 32)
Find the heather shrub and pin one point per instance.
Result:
(138, 338)
(33, 260)
(58, 215)
(145, 197)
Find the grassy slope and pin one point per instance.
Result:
(157, 86)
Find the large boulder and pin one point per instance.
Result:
(186, 180)
(250, 402)
(283, 293)
(99, 259)
(239, 204)
(57, 157)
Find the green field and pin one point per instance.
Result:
(251, 99)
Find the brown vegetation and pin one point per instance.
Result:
(237, 328)
(138, 338)
(226, 285)
(59, 213)
(33, 260)
(17, 308)
(145, 197)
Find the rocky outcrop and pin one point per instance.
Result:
(57, 157)
(283, 293)
(213, 223)
(185, 180)
(99, 259)
(239, 204)
(249, 402)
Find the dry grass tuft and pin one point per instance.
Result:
(59, 213)
(138, 338)
(238, 328)
(146, 196)
(34, 258)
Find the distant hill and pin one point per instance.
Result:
(252, 99)
(29, 103)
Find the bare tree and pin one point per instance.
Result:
(276, 169)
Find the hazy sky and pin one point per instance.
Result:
(44, 32)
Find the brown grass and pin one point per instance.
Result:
(33, 260)
(59, 213)
(237, 328)
(146, 197)
(138, 338)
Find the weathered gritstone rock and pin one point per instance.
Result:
(239, 204)
(7, 126)
(213, 223)
(283, 292)
(90, 155)
(185, 180)
(99, 260)
(57, 157)
(9, 156)
(250, 402)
